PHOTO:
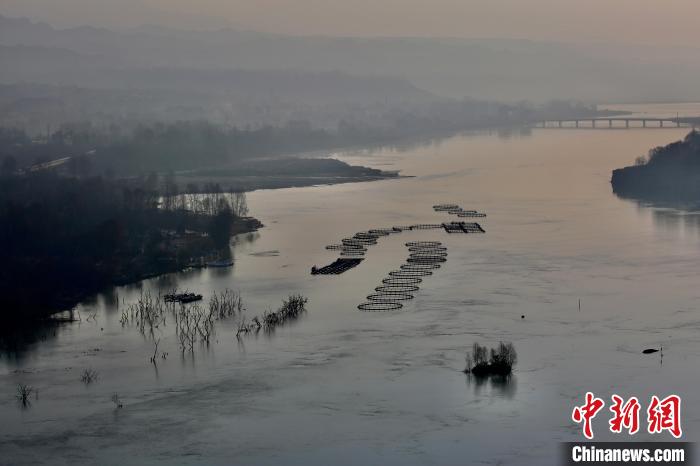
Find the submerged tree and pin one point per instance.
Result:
(500, 362)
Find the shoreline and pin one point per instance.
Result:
(55, 311)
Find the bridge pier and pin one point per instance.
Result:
(577, 123)
(661, 123)
(627, 123)
(644, 123)
(593, 121)
(560, 123)
(609, 123)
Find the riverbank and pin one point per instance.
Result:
(280, 172)
(67, 238)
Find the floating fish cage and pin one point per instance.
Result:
(423, 244)
(471, 214)
(427, 248)
(367, 235)
(377, 306)
(396, 289)
(463, 227)
(381, 297)
(419, 267)
(359, 241)
(381, 232)
(426, 259)
(402, 281)
(339, 266)
(428, 252)
(472, 228)
(445, 207)
(454, 227)
(426, 226)
(352, 253)
(410, 273)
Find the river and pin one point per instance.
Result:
(348, 387)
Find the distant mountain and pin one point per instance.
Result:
(485, 68)
(60, 66)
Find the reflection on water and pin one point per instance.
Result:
(15, 342)
(493, 385)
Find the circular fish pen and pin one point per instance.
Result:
(426, 248)
(359, 241)
(353, 253)
(402, 281)
(381, 232)
(423, 244)
(419, 267)
(389, 298)
(422, 259)
(366, 235)
(396, 289)
(429, 255)
(378, 306)
(355, 246)
(410, 273)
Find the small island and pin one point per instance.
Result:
(668, 174)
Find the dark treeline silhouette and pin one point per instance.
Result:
(187, 145)
(668, 174)
(65, 238)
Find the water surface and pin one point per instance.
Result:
(349, 387)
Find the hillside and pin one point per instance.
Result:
(669, 174)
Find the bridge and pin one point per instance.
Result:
(622, 123)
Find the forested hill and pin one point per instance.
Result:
(668, 173)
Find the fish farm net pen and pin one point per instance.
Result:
(410, 273)
(445, 207)
(428, 252)
(352, 253)
(381, 297)
(426, 259)
(424, 243)
(380, 232)
(420, 266)
(427, 248)
(402, 281)
(379, 307)
(396, 289)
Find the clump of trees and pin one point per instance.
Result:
(24, 392)
(497, 361)
(64, 238)
(292, 308)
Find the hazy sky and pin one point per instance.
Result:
(632, 21)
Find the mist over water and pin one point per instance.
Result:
(348, 387)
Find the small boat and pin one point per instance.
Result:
(190, 297)
(182, 297)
